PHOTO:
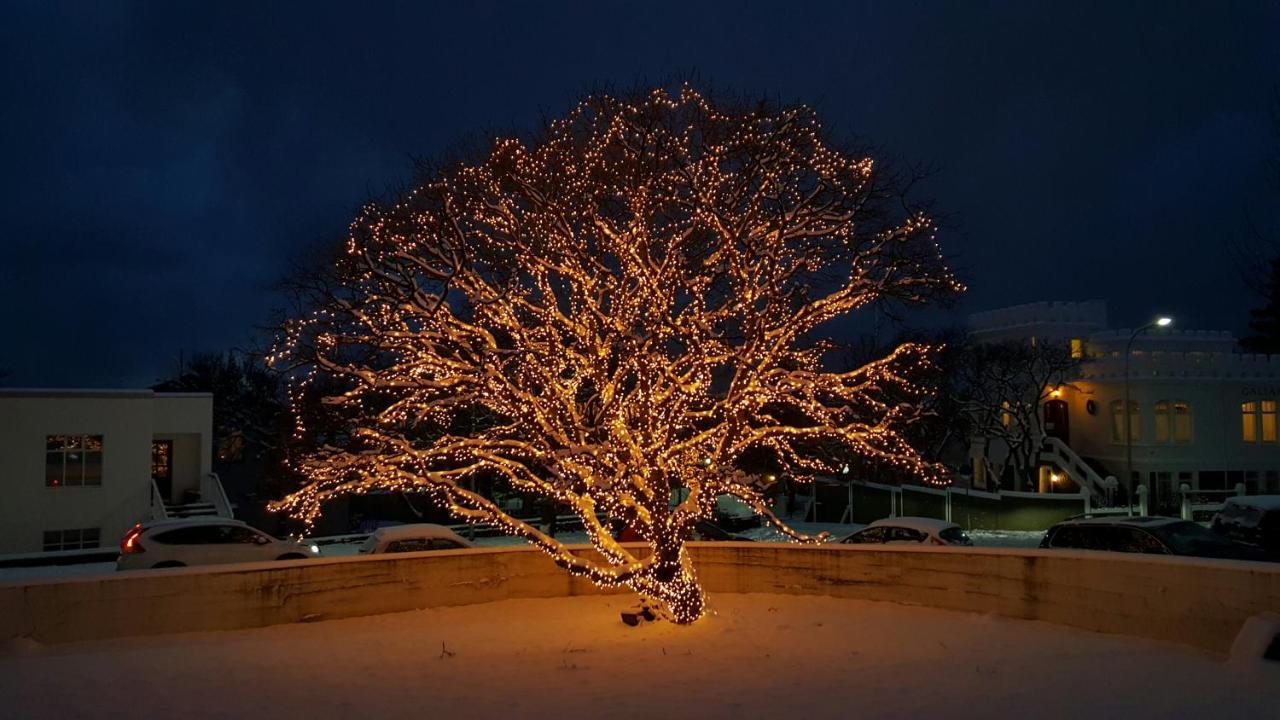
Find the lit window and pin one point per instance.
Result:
(1249, 422)
(1268, 421)
(1118, 422)
(1162, 421)
(72, 460)
(1181, 421)
(1077, 348)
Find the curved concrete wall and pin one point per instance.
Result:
(1199, 603)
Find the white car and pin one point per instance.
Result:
(910, 530)
(412, 538)
(203, 541)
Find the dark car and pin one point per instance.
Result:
(706, 530)
(1152, 535)
(1253, 521)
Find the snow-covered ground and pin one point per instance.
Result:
(759, 656)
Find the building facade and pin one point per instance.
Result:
(1201, 413)
(77, 467)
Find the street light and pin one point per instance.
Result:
(1162, 321)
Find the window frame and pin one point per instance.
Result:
(88, 451)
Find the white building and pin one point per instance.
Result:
(1202, 413)
(78, 467)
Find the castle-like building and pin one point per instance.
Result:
(1202, 413)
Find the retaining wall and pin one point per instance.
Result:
(1193, 602)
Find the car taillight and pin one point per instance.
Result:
(129, 545)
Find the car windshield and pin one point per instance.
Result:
(955, 536)
(1188, 538)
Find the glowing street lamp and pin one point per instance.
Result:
(1161, 321)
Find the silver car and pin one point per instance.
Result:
(203, 541)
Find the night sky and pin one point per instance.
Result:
(162, 163)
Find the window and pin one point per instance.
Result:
(80, 539)
(72, 460)
(1077, 348)
(870, 535)
(1173, 421)
(1117, 422)
(1162, 421)
(1258, 420)
(907, 535)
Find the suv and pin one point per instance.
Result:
(1252, 520)
(1151, 535)
(203, 541)
(910, 530)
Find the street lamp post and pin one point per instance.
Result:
(1127, 410)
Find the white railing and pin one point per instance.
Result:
(1088, 480)
(211, 492)
(1189, 507)
(158, 511)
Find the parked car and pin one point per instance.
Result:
(707, 530)
(203, 541)
(412, 538)
(1252, 520)
(910, 530)
(1152, 535)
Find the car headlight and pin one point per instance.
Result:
(315, 549)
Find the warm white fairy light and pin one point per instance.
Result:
(613, 311)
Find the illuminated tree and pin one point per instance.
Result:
(610, 315)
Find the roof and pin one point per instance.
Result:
(922, 524)
(1149, 521)
(417, 530)
(1262, 502)
(122, 393)
(197, 520)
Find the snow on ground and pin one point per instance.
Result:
(49, 572)
(759, 656)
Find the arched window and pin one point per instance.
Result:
(1182, 424)
(1118, 425)
(1258, 421)
(1173, 421)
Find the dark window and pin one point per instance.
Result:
(237, 534)
(444, 544)
(193, 535)
(955, 536)
(408, 545)
(72, 460)
(1133, 540)
(867, 535)
(78, 539)
(901, 534)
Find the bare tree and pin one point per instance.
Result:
(615, 310)
(1004, 387)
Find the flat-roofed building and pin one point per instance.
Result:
(78, 467)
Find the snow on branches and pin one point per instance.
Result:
(626, 305)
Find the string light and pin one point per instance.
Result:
(610, 316)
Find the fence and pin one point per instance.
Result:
(858, 501)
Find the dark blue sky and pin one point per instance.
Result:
(162, 162)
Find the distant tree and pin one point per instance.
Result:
(1264, 321)
(612, 316)
(248, 402)
(1257, 256)
(1003, 387)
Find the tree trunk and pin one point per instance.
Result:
(672, 583)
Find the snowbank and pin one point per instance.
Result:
(760, 656)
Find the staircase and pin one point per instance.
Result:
(212, 503)
(1082, 473)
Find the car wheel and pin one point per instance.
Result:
(169, 563)
(292, 556)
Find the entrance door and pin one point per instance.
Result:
(162, 468)
(1056, 423)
